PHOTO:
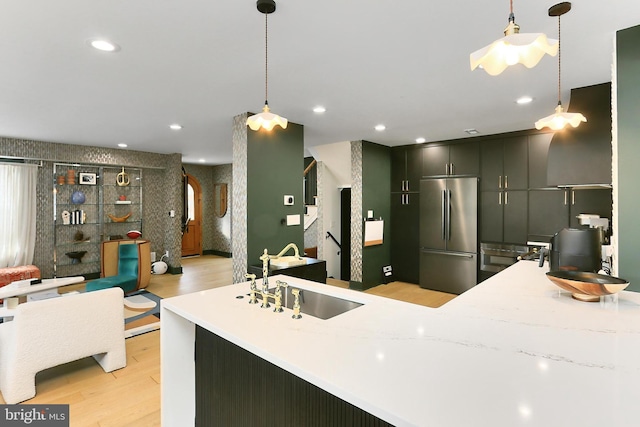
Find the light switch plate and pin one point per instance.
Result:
(369, 214)
(288, 200)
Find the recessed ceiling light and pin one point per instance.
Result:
(175, 126)
(122, 145)
(319, 109)
(524, 100)
(104, 45)
(420, 140)
(201, 160)
(380, 127)
(471, 131)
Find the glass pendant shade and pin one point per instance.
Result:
(514, 48)
(560, 119)
(266, 120)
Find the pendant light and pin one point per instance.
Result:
(527, 49)
(559, 119)
(266, 119)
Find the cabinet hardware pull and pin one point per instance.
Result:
(500, 198)
(506, 182)
(565, 197)
(506, 197)
(573, 197)
(443, 215)
(451, 169)
(446, 168)
(500, 182)
(402, 185)
(407, 188)
(406, 199)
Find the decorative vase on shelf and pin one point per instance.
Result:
(78, 197)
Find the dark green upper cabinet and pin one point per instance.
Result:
(503, 164)
(406, 169)
(538, 152)
(451, 160)
(515, 163)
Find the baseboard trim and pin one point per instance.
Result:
(218, 253)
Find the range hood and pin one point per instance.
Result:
(581, 157)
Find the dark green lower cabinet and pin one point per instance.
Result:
(234, 387)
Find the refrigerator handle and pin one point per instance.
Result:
(443, 217)
(449, 212)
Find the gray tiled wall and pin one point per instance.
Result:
(161, 182)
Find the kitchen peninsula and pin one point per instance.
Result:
(514, 350)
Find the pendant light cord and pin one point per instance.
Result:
(266, 58)
(559, 61)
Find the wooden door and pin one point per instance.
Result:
(192, 236)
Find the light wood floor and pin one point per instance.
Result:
(131, 396)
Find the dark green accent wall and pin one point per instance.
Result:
(376, 186)
(628, 92)
(274, 168)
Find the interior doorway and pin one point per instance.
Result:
(345, 232)
(192, 235)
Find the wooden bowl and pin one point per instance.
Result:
(586, 286)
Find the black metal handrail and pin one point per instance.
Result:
(333, 238)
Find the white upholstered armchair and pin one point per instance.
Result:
(50, 332)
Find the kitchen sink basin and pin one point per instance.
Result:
(315, 304)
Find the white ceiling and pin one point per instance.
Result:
(199, 63)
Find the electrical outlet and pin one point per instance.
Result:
(166, 253)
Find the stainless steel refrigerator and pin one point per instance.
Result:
(449, 234)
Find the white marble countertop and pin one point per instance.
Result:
(514, 350)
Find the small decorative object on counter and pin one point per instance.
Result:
(122, 179)
(587, 286)
(60, 180)
(122, 198)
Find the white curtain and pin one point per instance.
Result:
(17, 214)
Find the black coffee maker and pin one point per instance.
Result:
(576, 249)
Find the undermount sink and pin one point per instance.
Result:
(287, 261)
(316, 304)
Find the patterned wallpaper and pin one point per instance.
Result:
(221, 227)
(239, 198)
(320, 232)
(161, 191)
(356, 211)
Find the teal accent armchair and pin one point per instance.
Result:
(127, 276)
